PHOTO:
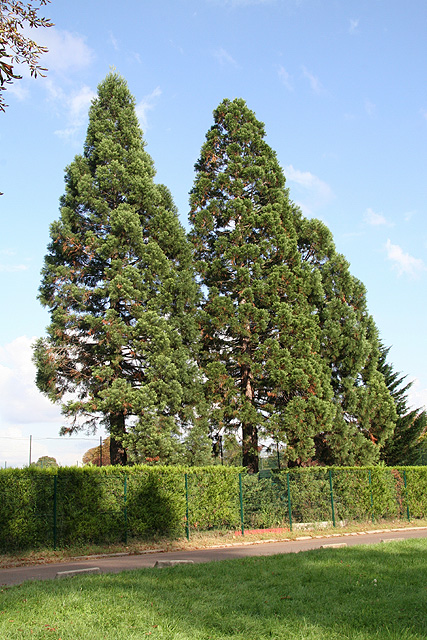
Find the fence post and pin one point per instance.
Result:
(406, 494)
(289, 500)
(55, 505)
(125, 510)
(332, 497)
(187, 523)
(242, 526)
(372, 497)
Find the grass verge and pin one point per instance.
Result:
(357, 593)
(198, 540)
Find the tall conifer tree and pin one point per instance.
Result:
(365, 412)
(407, 445)
(260, 337)
(118, 284)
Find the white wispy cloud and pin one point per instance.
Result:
(354, 25)
(68, 54)
(314, 192)
(285, 78)
(12, 268)
(24, 410)
(404, 263)
(224, 58)
(20, 400)
(67, 51)
(370, 108)
(19, 90)
(76, 106)
(376, 219)
(315, 84)
(114, 41)
(417, 395)
(8, 266)
(147, 104)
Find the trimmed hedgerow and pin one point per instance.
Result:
(265, 503)
(359, 493)
(26, 507)
(68, 505)
(93, 504)
(213, 497)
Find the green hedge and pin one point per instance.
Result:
(68, 505)
(110, 504)
(359, 493)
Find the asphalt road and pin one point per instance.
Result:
(118, 563)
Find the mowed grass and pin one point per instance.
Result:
(364, 592)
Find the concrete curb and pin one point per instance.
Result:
(161, 564)
(77, 572)
(332, 545)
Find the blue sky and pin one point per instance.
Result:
(341, 87)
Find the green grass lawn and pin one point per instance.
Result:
(361, 593)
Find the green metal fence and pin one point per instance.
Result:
(58, 510)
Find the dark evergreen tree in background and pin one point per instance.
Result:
(261, 349)
(365, 413)
(119, 286)
(407, 445)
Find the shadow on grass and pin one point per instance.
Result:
(359, 593)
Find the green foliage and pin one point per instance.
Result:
(156, 501)
(406, 444)
(119, 286)
(310, 494)
(265, 503)
(111, 504)
(355, 497)
(261, 349)
(364, 411)
(285, 327)
(15, 45)
(416, 491)
(214, 497)
(44, 462)
(107, 504)
(26, 507)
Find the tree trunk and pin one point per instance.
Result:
(249, 431)
(250, 448)
(117, 430)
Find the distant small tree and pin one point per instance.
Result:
(98, 456)
(45, 462)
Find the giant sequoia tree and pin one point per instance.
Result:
(261, 348)
(117, 281)
(289, 348)
(365, 412)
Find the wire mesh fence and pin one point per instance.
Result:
(48, 509)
